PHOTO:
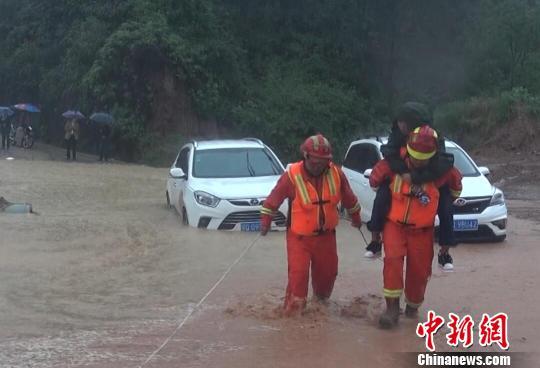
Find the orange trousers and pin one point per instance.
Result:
(415, 247)
(304, 252)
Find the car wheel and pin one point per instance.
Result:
(185, 220)
(168, 199)
(499, 239)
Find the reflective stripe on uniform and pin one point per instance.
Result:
(392, 293)
(355, 209)
(331, 181)
(266, 211)
(414, 305)
(302, 188)
(396, 188)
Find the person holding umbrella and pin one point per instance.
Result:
(5, 126)
(71, 131)
(104, 139)
(104, 120)
(25, 132)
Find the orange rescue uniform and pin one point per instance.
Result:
(409, 232)
(311, 237)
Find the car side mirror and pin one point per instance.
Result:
(177, 173)
(367, 173)
(484, 170)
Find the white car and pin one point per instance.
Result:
(221, 184)
(479, 214)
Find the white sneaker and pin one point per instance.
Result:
(448, 267)
(446, 262)
(373, 249)
(369, 254)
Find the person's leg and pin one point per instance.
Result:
(298, 258)
(3, 141)
(381, 206)
(324, 264)
(447, 237)
(419, 259)
(74, 148)
(395, 249)
(107, 147)
(68, 148)
(101, 149)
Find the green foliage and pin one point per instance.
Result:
(273, 69)
(473, 119)
(160, 151)
(510, 102)
(288, 105)
(503, 46)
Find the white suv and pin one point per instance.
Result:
(479, 214)
(221, 184)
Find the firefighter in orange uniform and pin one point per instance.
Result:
(409, 230)
(314, 187)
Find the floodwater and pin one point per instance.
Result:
(104, 273)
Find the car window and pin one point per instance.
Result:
(183, 160)
(235, 163)
(462, 162)
(361, 157)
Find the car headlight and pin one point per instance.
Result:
(498, 198)
(206, 199)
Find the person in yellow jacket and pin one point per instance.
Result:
(71, 135)
(314, 187)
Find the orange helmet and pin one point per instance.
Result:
(317, 146)
(422, 143)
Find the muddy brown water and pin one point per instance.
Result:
(106, 272)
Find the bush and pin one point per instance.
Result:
(473, 119)
(288, 106)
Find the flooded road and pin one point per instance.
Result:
(105, 272)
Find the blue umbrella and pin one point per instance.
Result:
(102, 117)
(73, 114)
(27, 107)
(5, 112)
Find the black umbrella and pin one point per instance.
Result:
(73, 114)
(102, 117)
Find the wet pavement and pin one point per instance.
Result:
(105, 272)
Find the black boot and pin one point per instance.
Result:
(411, 312)
(390, 317)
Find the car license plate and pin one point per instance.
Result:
(465, 225)
(250, 226)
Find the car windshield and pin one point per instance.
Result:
(235, 163)
(462, 162)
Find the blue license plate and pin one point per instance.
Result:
(465, 225)
(250, 226)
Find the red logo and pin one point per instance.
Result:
(460, 331)
(491, 330)
(494, 330)
(429, 329)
